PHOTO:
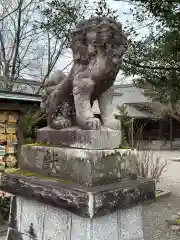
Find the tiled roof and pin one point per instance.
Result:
(140, 110)
(19, 96)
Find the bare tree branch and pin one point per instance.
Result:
(17, 39)
(2, 46)
(8, 14)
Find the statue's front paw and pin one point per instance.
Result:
(93, 124)
(61, 123)
(113, 124)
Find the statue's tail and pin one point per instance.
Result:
(56, 78)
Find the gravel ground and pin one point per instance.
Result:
(3, 231)
(165, 208)
(3, 238)
(157, 213)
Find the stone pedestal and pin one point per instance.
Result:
(76, 193)
(33, 220)
(50, 209)
(89, 167)
(74, 137)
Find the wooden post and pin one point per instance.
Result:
(132, 132)
(20, 136)
(160, 130)
(170, 132)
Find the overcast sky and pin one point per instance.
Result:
(122, 9)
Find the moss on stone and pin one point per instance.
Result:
(38, 144)
(25, 173)
(124, 147)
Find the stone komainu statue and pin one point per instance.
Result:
(98, 45)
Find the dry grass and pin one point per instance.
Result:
(148, 164)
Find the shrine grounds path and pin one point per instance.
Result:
(155, 214)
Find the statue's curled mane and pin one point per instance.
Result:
(98, 45)
(95, 34)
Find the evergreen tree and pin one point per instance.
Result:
(155, 58)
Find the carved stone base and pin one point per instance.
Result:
(36, 221)
(88, 202)
(74, 137)
(81, 166)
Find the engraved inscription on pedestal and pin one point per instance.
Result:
(82, 166)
